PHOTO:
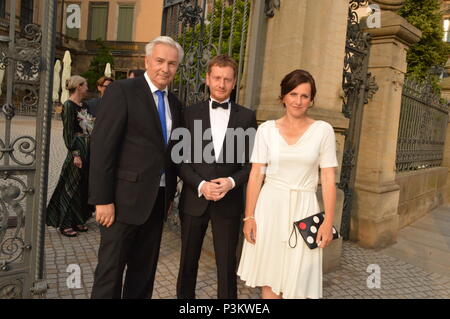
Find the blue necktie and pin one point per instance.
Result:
(162, 113)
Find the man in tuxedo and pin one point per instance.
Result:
(213, 189)
(132, 178)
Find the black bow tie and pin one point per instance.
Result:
(215, 105)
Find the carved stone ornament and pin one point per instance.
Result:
(270, 7)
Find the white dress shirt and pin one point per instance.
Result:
(153, 89)
(219, 118)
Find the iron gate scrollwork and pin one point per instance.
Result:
(204, 29)
(422, 128)
(27, 57)
(359, 87)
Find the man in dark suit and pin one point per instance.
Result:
(132, 177)
(213, 187)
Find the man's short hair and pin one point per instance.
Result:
(164, 40)
(223, 60)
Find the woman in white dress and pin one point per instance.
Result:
(281, 189)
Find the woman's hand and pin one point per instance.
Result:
(324, 235)
(250, 230)
(77, 161)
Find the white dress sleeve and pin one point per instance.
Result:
(327, 156)
(260, 149)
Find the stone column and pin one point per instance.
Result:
(374, 221)
(445, 83)
(445, 93)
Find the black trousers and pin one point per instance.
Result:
(225, 231)
(137, 247)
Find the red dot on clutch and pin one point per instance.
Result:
(302, 226)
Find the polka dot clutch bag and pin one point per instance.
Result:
(308, 228)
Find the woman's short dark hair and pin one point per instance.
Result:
(294, 79)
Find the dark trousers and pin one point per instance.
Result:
(225, 232)
(137, 247)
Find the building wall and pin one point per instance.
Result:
(127, 55)
(37, 13)
(420, 192)
(147, 18)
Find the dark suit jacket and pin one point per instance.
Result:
(92, 106)
(128, 153)
(234, 165)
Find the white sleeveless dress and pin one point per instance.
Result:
(287, 195)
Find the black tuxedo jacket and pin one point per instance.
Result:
(235, 165)
(128, 153)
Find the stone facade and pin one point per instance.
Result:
(445, 93)
(420, 192)
(374, 221)
(127, 55)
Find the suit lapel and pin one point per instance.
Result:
(234, 114)
(205, 116)
(174, 112)
(145, 95)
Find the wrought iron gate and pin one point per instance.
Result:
(205, 28)
(27, 57)
(359, 87)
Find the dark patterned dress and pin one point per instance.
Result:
(68, 205)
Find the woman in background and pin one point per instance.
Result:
(68, 209)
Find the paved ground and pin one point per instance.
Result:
(402, 274)
(426, 242)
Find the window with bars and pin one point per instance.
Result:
(26, 12)
(125, 24)
(98, 20)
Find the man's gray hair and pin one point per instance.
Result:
(164, 40)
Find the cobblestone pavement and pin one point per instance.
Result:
(398, 278)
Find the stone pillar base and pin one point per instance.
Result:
(332, 254)
(376, 225)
